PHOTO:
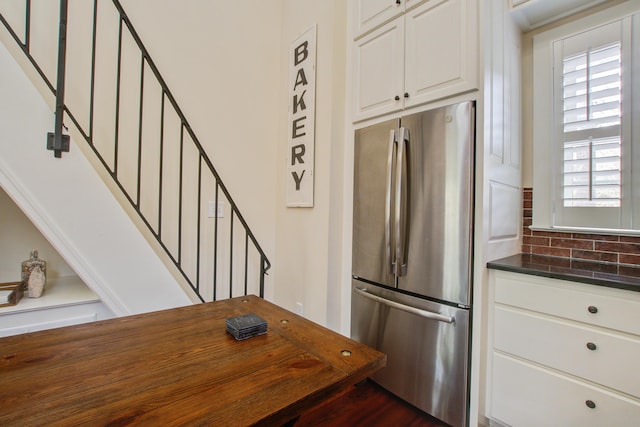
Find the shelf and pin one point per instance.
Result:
(59, 292)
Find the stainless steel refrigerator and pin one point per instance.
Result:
(412, 254)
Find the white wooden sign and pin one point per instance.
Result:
(302, 120)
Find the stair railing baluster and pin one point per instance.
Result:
(140, 118)
(93, 68)
(116, 133)
(215, 245)
(161, 166)
(56, 141)
(180, 191)
(246, 263)
(27, 26)
(198, 215)
(231, 255)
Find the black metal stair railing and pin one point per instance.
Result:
(198, 244)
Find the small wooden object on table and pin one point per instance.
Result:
(17, 291)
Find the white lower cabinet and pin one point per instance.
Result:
(563, 353)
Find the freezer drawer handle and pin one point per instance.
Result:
(403, 307)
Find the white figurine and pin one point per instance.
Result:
(36, 282)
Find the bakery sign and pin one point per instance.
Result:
(301, 120)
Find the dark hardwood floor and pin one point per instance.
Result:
(366, 404)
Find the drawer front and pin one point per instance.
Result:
(610, 308)
(525, 395)
(594, 354)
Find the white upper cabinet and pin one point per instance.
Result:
(440, 50)
(379, 71)
(428, 53)
(372, 13)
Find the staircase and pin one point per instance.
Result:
(119, 111)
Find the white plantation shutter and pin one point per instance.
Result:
(591, 83)
(591, 95)
(586, 123)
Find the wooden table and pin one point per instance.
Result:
(178, 367)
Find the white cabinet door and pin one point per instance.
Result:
(371, 13)
(440, 52)
(379, 71)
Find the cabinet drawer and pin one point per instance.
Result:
(594, 354)
(596, 305)
(525, 395)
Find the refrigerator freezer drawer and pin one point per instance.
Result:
(426, 345)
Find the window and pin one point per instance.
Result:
(586, 83)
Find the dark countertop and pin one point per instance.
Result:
(593, 273)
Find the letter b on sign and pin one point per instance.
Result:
(302, 52)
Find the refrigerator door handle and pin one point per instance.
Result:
(389, 260)
(413, 310)
(401, 203)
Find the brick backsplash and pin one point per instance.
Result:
(591, 247)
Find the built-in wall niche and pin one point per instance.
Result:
(66, 300)
(18, 238)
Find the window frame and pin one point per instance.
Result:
(547, 130)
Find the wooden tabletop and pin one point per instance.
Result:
(178, 367)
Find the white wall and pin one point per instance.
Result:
(308, 252)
